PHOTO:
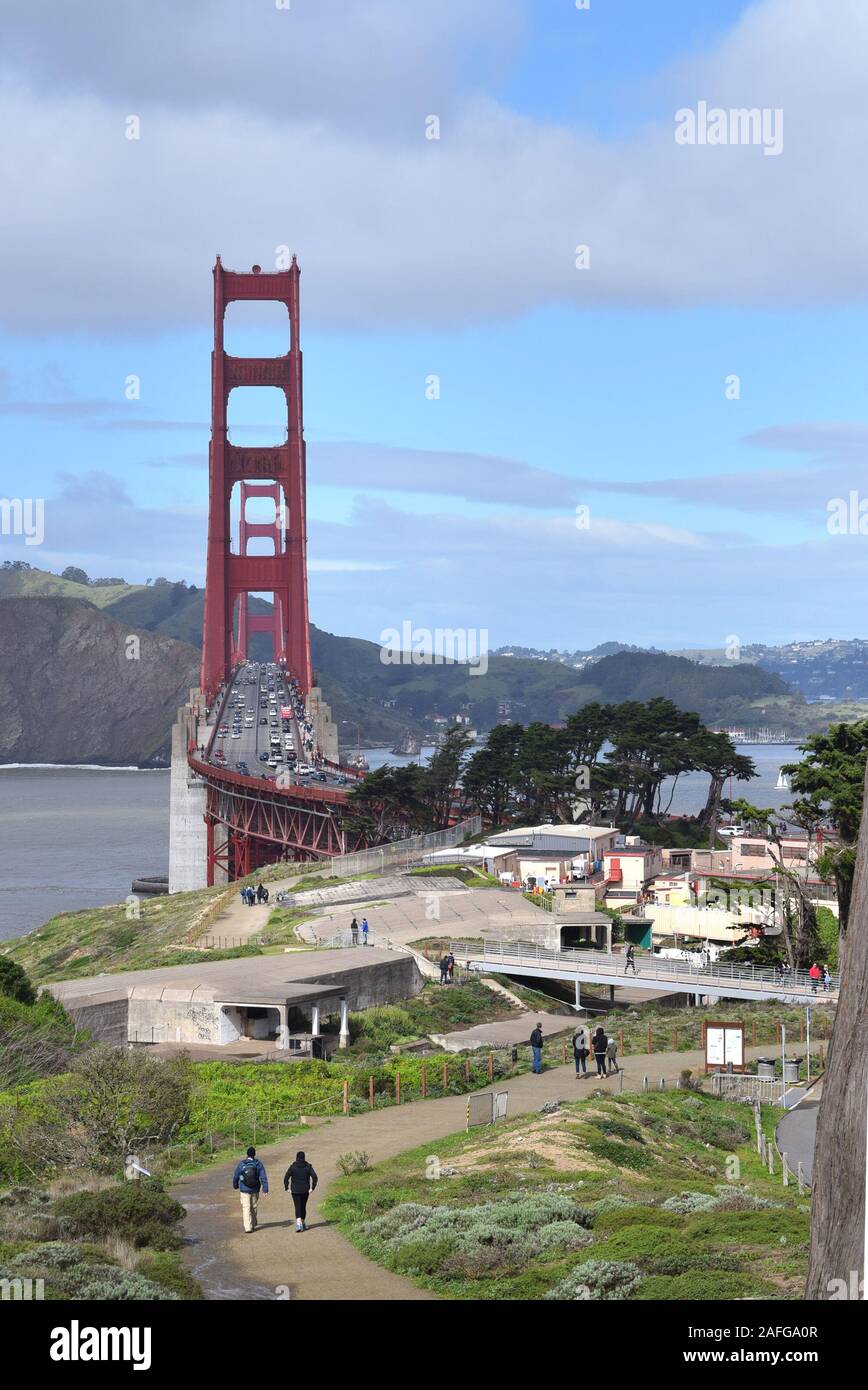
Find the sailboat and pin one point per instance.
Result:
(783, 782)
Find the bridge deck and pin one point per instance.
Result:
(652, 972)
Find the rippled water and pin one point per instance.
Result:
(75, 837)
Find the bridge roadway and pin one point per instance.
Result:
(653, 972)
(256, 691)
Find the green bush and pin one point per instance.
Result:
(705, 1285)
(596, 1280)
(141, 1213)
(165, 1269)
(638, 1215)
(14, 982)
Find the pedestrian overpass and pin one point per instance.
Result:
(653, 973)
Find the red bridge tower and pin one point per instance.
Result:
(277, 472)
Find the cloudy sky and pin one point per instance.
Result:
(699, 386)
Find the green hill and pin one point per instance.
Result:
(383, 699)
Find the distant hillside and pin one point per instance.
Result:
(382, 699)
(69, 693)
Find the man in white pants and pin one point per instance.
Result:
(250, 1178)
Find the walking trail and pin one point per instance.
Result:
(320, 1263)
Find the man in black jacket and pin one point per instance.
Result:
(536, 1045)
(300, 1180)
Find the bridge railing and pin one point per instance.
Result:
(601, 963)
(401, 853)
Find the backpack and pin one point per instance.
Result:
(249, 1174)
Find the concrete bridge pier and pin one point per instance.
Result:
(188, 850)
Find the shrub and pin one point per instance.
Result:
(52, 1254)
(475, 1240)
(618, 1217)
(705, 1285)
(597, 1279)
(106, 1283)
(356, 1161)
(14, 982)
(165, 1269)
(140, 1212)
(689, 1202)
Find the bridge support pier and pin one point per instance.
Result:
(187, 839)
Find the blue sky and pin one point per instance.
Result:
(456, 257)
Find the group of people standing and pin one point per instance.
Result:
(603, 1047)
(354, 931)
(447, 968)
(601, 1044)
(820, 976)
(251, 896)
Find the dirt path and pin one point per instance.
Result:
(321, 1264)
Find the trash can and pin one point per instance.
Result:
(765, 1068)
(791, 1070)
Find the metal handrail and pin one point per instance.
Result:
(602, 963)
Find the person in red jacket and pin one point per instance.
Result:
(816, 975)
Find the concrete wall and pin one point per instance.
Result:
(105, 1019)
(160, 1020)
(187, 837)
(387, 982)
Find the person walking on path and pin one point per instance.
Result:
(300, 1180)
(827, 979)
(581, 1050)
(444, 969)
(536, 1044)
(630, 962)
(816, 976)
(600, 1042)
(364, 931)
(612, 1056)
(354, 931)
(250, 1178)
(451, 960)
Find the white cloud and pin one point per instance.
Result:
(391, 229)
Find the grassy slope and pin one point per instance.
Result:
(641, 1148)
(41, 584)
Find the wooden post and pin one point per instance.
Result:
(371, 1091)
(785, 1170)
(467, 1070)
(771, 1154)
(491, 1065)
(801, 1030)
(801, 1179)
(346, 1097)
(424, 1077)
(649, 1047)
(621, 1047)
(777, 1032)
(563, 1055)
(397, 1088)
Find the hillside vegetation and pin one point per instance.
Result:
(658, 1196)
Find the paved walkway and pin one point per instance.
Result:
(796, 1134)
(321, 1264)
(503, 1032)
